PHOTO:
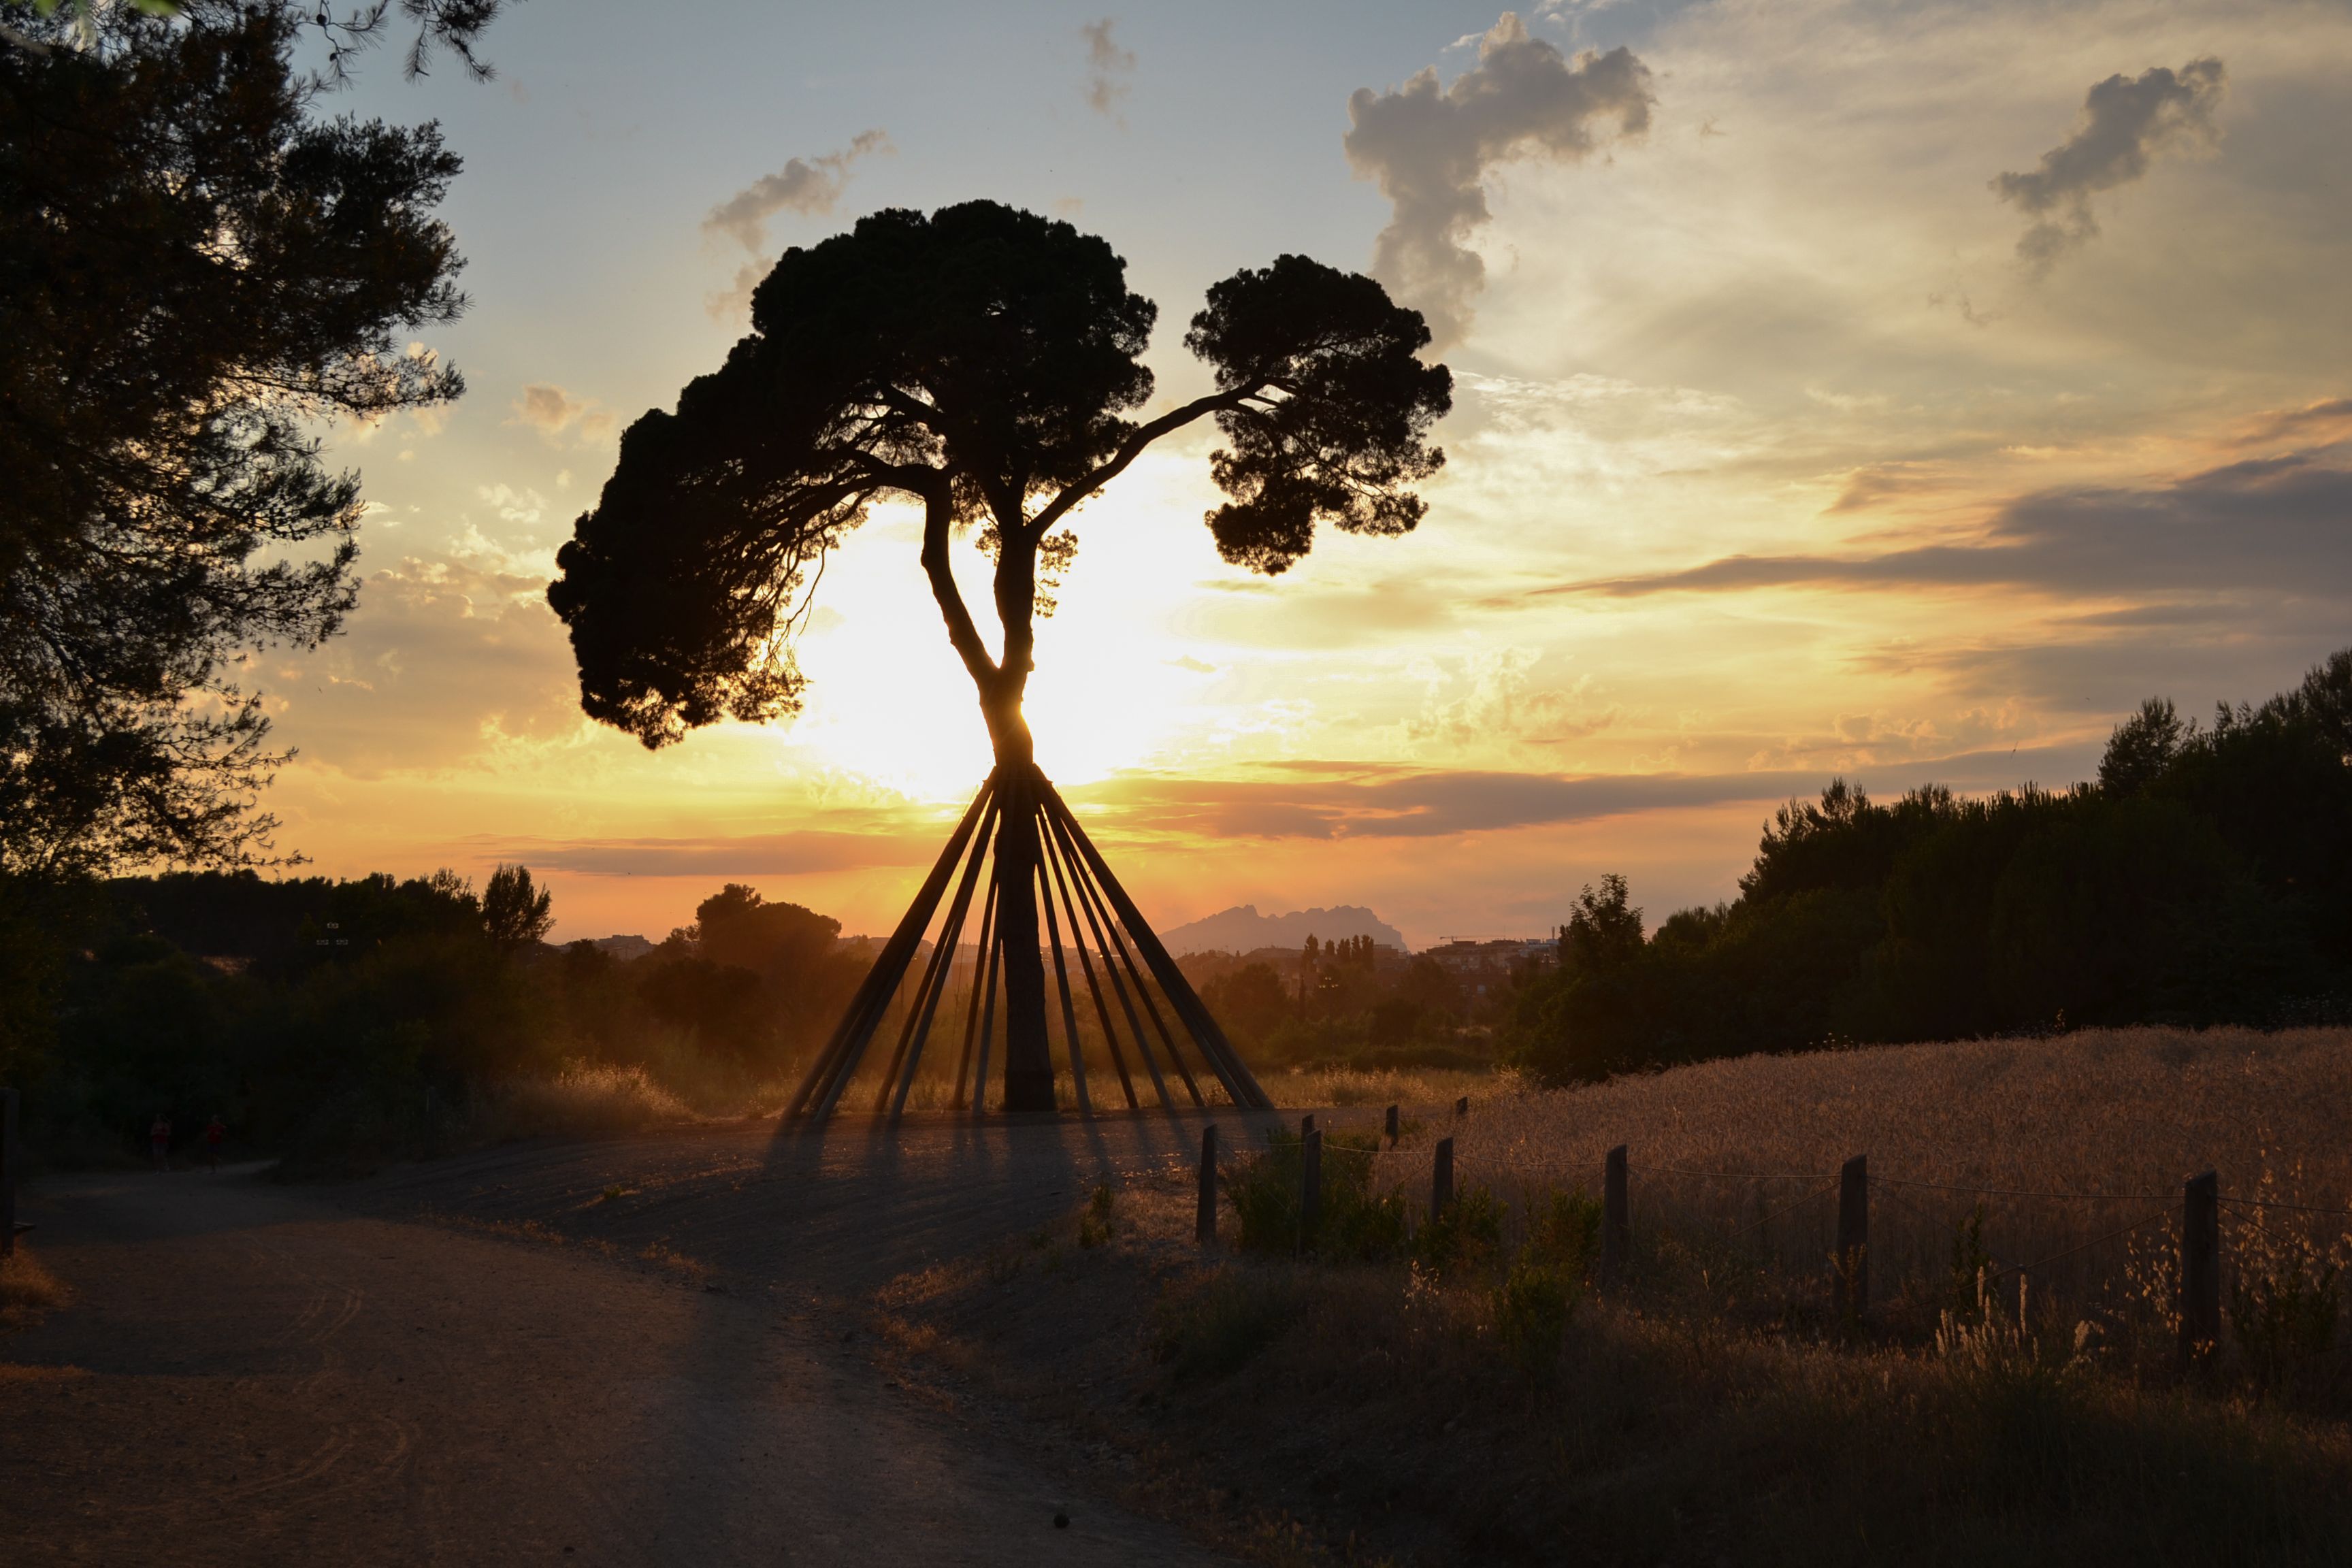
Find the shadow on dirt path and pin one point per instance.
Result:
(632, 1350)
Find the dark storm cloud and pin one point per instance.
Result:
(1430, 150)
(2126, 121)
(2278, 525)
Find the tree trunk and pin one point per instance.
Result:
(1028, 1055)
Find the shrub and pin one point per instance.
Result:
(2284, 1303)
(1095, 1226)
(27, 1291)
(1566, 1233)
(1464, 1238)
(1359, 1223)
(1220, 1324)
(1532, 1305)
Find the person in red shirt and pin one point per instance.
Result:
(215, 1131)
(159, 1140)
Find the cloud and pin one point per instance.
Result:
(446, 660)
(1107, 65)
(809, 187)
(752, 854)
(1352, 800)
(1500, 704)
(2125, 122)
(2312, 416)
(552, 411)
(2282, 524)
(1430, 150)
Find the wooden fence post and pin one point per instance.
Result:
(1390, 1126)
(7, 1171)
(2201, 1267)
(1616, 1218)
(1205, 1227)
(1441, 1179)
(1461, 1106)
(1852, 1262)
(1306, 1125)
(1310, 1189)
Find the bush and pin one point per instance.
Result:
(1096, 1226)
(1565, 1233)
(1464, 1237)
(1220, 1324)
(1532, 1307)
(1359, 1223)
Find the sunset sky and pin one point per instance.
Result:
(1894, 391)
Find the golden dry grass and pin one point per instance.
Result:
(583, 1098)
(2127, 1112)
(1379, 1413)
(27, 1291)
(1305, 1087)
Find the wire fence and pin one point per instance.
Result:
(1928, 1242)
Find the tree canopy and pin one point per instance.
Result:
(194, 266)
(2206, 878)
(984, 363)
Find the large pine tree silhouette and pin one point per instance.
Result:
(981, 361)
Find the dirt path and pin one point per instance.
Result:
(491, 1360)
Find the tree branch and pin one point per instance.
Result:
(939, 515)
(1174, 420)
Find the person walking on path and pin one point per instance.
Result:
(159, 1140)
(215, 1131)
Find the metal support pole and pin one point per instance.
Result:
(1616, 1218)
(2201, 1267)
(1204, 1228)
(1310, 1189)
(1853, 1235)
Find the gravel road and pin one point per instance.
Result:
(639, 1349)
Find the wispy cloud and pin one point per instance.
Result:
(1352, 800)
(1107, 68)
(2275, 523)
(553, 412)
(751, 855)
(809, 187)
(1430, 149)
(2126, 121)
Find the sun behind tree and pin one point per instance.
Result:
(980, 361)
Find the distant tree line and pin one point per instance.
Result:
(1349, 1002)
(342, 1023)
(2206, 878)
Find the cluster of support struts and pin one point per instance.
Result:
(1021, 833)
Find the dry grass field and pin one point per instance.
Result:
(2060, 1158)
(1715, 1408)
